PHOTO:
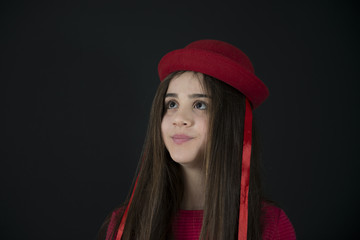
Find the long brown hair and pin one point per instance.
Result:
(159, 190)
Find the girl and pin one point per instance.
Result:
(195, 180)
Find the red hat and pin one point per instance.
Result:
(220, 60)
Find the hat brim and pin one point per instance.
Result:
(217, 66)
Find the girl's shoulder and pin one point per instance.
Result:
(276, 223)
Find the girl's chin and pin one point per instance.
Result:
(183, 161)
(188, 162)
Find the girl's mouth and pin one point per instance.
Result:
(180, 138)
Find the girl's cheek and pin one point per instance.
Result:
(165, 122)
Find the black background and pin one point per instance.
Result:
(79, 77)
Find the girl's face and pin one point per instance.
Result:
(184, 126)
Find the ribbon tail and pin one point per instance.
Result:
(245, 174)
(123, 220)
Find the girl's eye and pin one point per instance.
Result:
(200, 105)
(171, 104)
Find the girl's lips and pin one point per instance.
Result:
(179, 138)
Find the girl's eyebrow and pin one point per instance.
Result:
(174, 95)
(195, 95)
(198, 95)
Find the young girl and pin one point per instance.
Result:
(195, 180)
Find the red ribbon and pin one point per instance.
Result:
(123, 220)
(245, 174)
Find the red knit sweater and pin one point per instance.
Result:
(187, 225)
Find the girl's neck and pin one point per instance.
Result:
(194, 192)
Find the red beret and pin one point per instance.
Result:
(220, 60)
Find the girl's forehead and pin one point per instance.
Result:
(187, 82)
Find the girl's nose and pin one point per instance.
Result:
(180, 123)
(182, 118)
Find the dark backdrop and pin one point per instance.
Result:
(78, 80)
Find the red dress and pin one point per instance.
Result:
(187, 225)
